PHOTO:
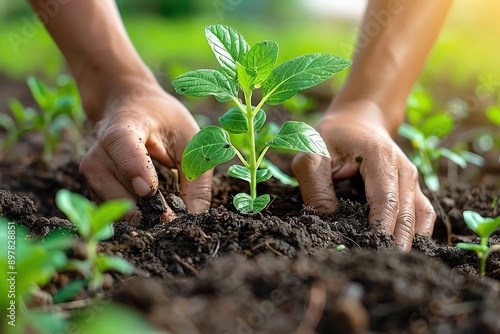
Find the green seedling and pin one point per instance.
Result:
(27, 266)
(244, 70)
(94, 224)
(483, 227)
(427, 125)
(428, 154)
(60, 110)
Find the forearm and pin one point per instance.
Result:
(95, 44)
(395, 39)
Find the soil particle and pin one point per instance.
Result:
(375, 292)
(16, 208)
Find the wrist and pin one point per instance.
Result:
(102, 83)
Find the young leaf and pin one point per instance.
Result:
(245, 78)
(229, 47)
(264, 175)
(279, 174)
(260, 61)
(410, 132)
(454, 157)
(69, 291)
(299, 136)
(438, 125)
(205, 82)
(493, 114)
(209, 148)
(244, 203)
(106, 263)
(483, 226)
(40, 92)
(78, 209)
(109, 212)
(472, 158)
(300, 73)
(431, 180)
(242, 173)
(234, 121)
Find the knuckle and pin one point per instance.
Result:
(406, 222)
(429, 212)
(304, 162)
(390, 202)
(111, 135)
(412, 172)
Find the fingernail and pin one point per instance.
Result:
(141, 188)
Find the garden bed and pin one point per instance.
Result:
(282, 270)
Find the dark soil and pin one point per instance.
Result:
(279, 271)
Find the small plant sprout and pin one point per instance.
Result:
(245, 69)
(484, 227)
(94, 224)
(427, 124)
(61, 110)
(428, 153)
(28, 266)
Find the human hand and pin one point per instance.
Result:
(141, 122)
(359, 143)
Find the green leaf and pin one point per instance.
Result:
(244, 203)
(40, 92)
(472, 158)
(111, 318)
(107, 213)
(438, 125)
(242, 173)
(209, 148)
(264, 175)
(245, 79)
(299, 136)
(69, 291)
(493, 114)
(483, 226)
(234, 121)
(279, 174)
(7, 123)
(229, 47)
(78, 209)
(300, 73)
(431, 181)
(260, 61)
(205, 82)
(420, 103)
(452, 156)
(107, 263)
(239, 172)
(410, 132)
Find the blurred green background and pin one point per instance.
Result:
(169, 36)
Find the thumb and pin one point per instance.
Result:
(127, 150)
(314, 173)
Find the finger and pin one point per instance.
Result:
(197, 194)
(128, 152)
(105, 183)
(314, 174)
(405, 222)
(425, 214)
(102, 178)
(381, 188)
